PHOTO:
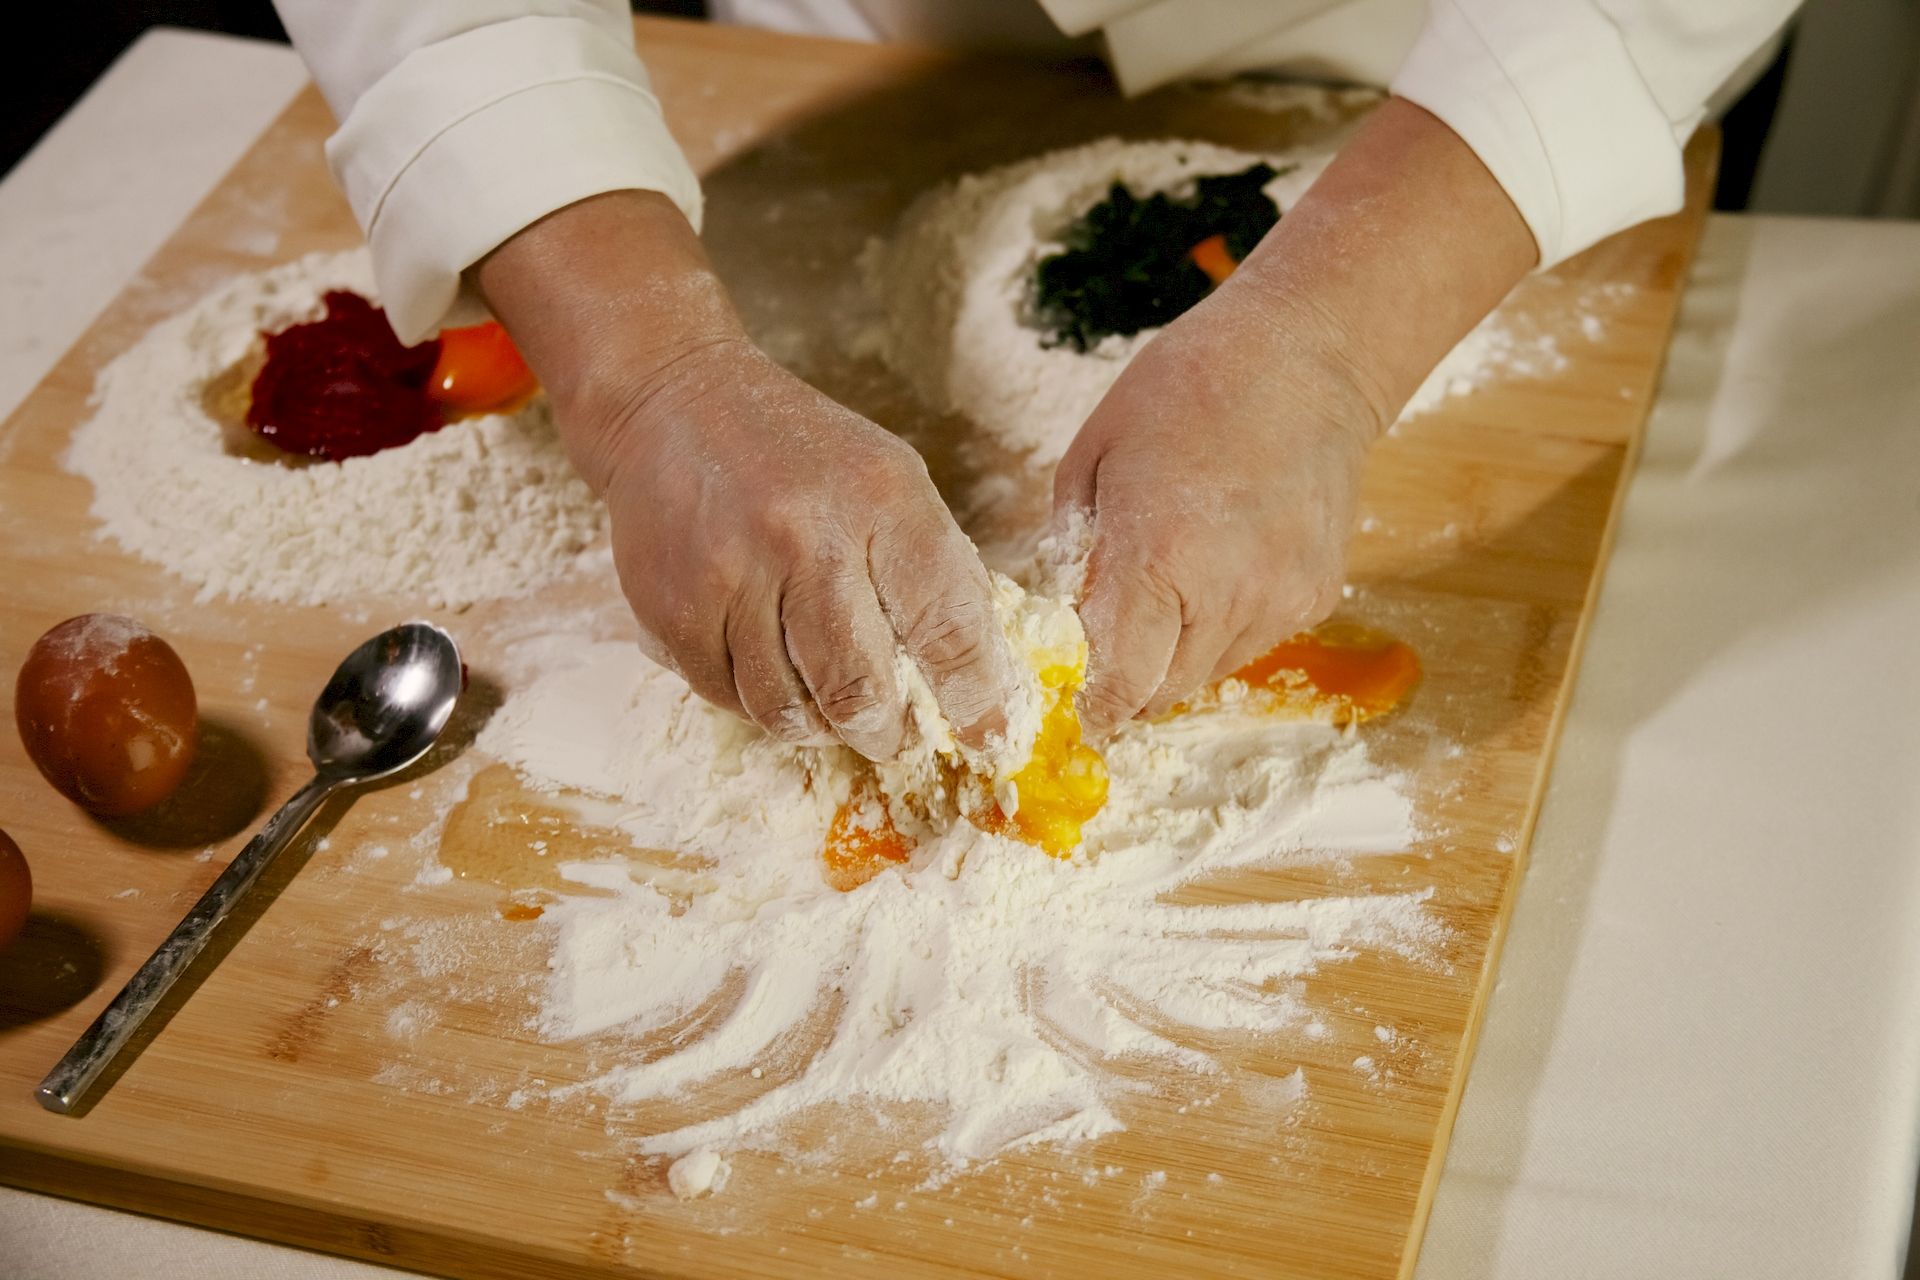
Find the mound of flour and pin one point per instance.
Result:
(1010, 997)
(953, 283)
(483, 508)
(952, 290)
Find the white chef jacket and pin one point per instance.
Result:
(463, 121)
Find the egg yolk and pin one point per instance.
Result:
(1345, 672)
(1340, 672)
(480, 371)
(862, 841)
(1064, 784)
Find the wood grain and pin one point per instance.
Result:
(301, 1094)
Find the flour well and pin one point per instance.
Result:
(995, 996)
(482, 508)
(953, 280)
(951, 287)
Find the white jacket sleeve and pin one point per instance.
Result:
(1581, 107)
(463, 121)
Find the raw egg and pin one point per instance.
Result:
(862, 841)
(1339, 671)
(480, 371)
(16, 890)
(1065, 783)
(107, 712)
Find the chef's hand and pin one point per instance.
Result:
(776, 547)
(1221, 477)
(1222, 468)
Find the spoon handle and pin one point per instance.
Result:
(117, 1023)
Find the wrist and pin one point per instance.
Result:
(612, 302)
(1402, 245)
(1328, 364)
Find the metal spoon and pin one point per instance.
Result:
(382, 710)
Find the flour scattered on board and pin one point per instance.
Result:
(698, 1173)
(482, 508)
(983, 996)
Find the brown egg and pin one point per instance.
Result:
(107, 712)
(16, 890)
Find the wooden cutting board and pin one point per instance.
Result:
(344, 1077)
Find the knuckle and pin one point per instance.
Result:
(1104, 702)
(794, 529)
(906, 488)
(893, 456)
(856, 700)
(949, 635)
(790, 721)
(818, 592)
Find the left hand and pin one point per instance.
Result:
(1222, 468)
(1221, 473)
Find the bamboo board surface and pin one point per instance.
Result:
(291, 1098)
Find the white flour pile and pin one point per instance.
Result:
(1011, 996)
(483, 508)
(953, 283)
(952, 286)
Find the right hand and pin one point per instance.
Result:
(777, 548)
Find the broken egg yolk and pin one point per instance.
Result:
(480, 371)
(1060, 788)
(862, 841)
(1340, 671)
(1064, 784)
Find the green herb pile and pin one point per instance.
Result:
(1125, 267)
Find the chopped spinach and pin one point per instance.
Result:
(1125, 266)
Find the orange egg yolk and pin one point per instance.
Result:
(862, 841)
(1064, 784)
(480, 371)
(1345, 672)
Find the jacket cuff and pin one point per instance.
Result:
(471, 139)
(1547, 95)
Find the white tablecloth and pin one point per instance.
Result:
(1703, 1054)
(1703, 1057)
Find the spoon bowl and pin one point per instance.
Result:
(386, 705)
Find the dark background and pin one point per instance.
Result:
(60, 71)
(96, 33)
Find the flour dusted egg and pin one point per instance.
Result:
(107, 712)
